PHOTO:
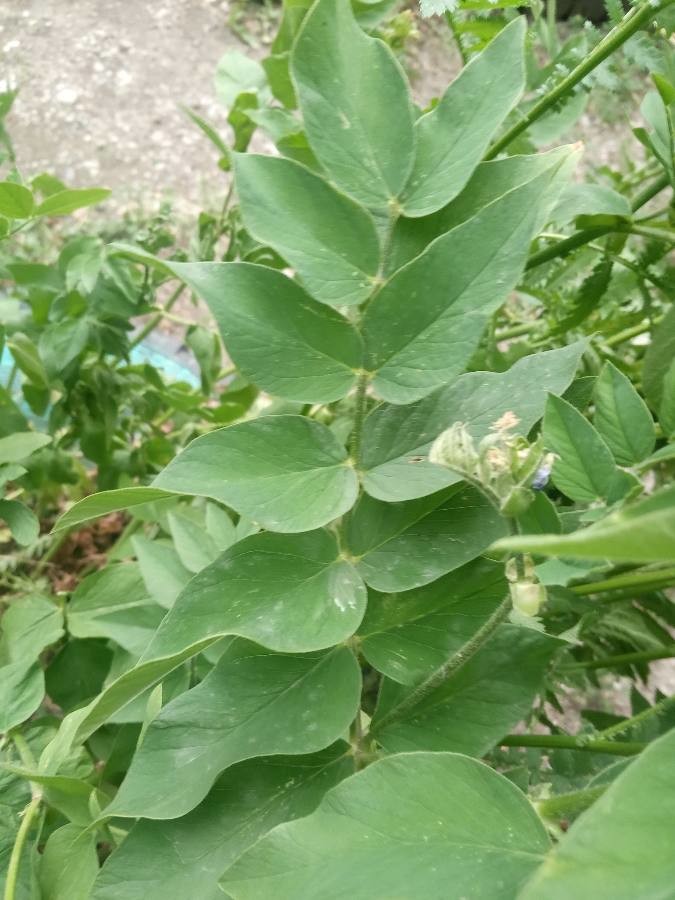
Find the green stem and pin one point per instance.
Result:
(586, 235)
(649, 192)
(57, 543)
(13, 372)
(569, 806)
(27, 818)
(452, 25)
(449, 668)
(628, 724)
(629, 25)
(569, 742)
(659, 234)
(359, 417)
(152, 323)
(621, 336)
(648, 580)
(622, 659)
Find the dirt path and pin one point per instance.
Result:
(100, 83)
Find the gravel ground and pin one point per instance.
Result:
(100, 84)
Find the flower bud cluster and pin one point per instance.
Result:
(528, 594)
(507, 465)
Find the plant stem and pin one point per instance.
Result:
(569, 742)
(628, 333)
(359, 417)
(449, 668)
(457, 37)
(647, 193)
(568, 806)
(621, 659)
(648, 580)
(586, 235)
(658, 234)
(27, 818)
(152, 323)
(632, 22)
(628, 724)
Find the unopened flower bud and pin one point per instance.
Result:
(516, 502)
(527, 596)
(455, 449)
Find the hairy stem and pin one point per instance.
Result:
(628, 724)
(569, 742)
(457, 37)
(629, 25)
(359, 417)
(586, 235)
(449, 668)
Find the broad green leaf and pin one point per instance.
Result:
(21, 521)
(29, 625)
(16, 447)
(63, 342)
(66, 794)
(306, 567)
(329, 239)
(77, 672)
(163, 573)
(473, 709)
(585, 470)
(424, 325)
(287, 473)
(622, 418)
(16, 201)
(254, 703)
(106, 502)
(620, 848)
(658, 359)
(193, 546)
(408, 636)
(69, 864)
(65, 202)
(28, 360)
(114, 603)
(355, 105)
(396, 439)
(185, 857)
(452, 138)
(22, 687)
(640, 532)
(237, 73)
(489, 181)
(588, 200)
(428, 825)
(277, 335)
(288, 593)
(400, 546)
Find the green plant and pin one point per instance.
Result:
(319, 621)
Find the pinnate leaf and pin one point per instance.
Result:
(443, 823)
(254, 703)
(288, 473)
(363, 137)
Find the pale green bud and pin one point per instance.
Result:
(455, 449)
(527, 596)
